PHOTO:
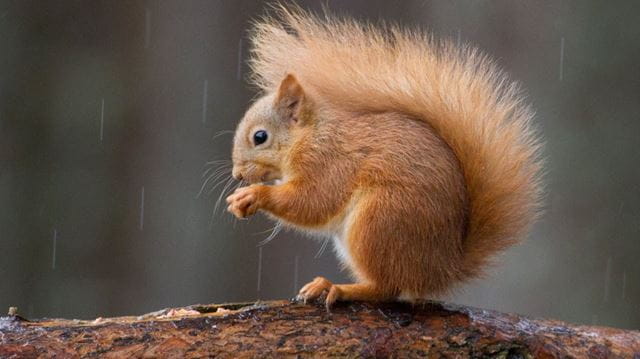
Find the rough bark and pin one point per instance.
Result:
(281, 328)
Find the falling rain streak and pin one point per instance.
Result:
(55, 244)
(259, 268)
(607, 280)
(102, 120)
(142, 209)
(561, 58)
(205, 90)
(624, 285)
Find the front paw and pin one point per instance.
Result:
(244, 201)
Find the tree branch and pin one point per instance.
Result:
(281, 328)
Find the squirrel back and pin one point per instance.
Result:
(457, 90)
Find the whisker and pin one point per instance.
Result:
(223, 180)
(322, 248)
(274, 232)
(209, 166)
(216, 164)
(223, 132)
(217, 161)
(227, 182)
(216, 169)
(222, 193)
(215, 177)
(266, 230)
(240, 183)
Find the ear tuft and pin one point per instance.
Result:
(290, 97)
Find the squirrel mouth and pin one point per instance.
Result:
(267, 179)
(260, 174)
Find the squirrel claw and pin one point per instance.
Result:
(332, 297)
(315, 289)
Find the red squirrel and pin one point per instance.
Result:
(416, 156)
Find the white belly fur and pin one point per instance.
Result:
(338, 230)
(335, 230)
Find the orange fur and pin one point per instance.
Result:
(416, 155)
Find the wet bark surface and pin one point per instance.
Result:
(282, 328)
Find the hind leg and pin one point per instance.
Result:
(362, 240)
(341, 292)
(389, 254)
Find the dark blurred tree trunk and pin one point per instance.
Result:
(281, 328)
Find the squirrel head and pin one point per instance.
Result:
(268, 130)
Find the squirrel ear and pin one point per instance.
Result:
(289, 98)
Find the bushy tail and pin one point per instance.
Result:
(456, 89)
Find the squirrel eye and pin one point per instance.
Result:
(260, 137)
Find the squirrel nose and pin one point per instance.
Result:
(237, 176)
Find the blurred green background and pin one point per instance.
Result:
(108, 112)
